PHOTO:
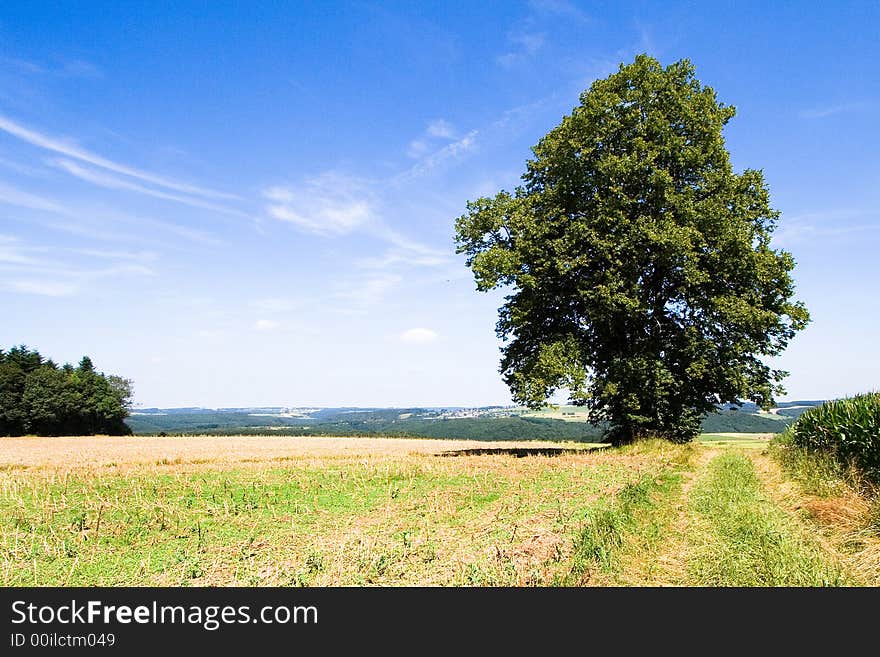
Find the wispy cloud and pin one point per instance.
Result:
(276, 304)
(560, 8)
(128, 256)
(68, 68)
(112, 182)
(441, 156)
(441, 128)
(365, 292)
(333, 205)
(266, 325)
(327, 204)
(525, 46)
(403, 258)
(13, 252)
(419, 336)
(71, 150)
(14, 196)
(418, 148)
(87, 224)
(80, 68)
(840, 108)
(43, 288)
(824, 225)
(49, 271)
(427, 142)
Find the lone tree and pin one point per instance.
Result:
(643, 280)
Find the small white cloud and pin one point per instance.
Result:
(441, 128)
(329, 204)
(266, 325)
(451, 151)
(418, 336)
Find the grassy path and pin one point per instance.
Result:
(720, 520)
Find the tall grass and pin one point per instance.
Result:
(634, 516)
(743, 539)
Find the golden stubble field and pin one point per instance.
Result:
(296, 510)
(70, 452)
(321, 511)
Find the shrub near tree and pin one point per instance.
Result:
(38, 397)
(641, 273)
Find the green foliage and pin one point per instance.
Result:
(739, 422)
(38, 397)
(848, 429)
(643, 281)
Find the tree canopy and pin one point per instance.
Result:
(643, 281)
(38, 397)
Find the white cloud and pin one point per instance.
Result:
(276, 304)
(71, 150)
(211, 334)
(449, 152)
(266, 325)
(140, 256)
(823, 225)
(559, 8)
(12, 252)
(369, 291)
(831, 110)
(328, 204)
(441, 128)
(43, 287)
(394, 257)
(436, 129)
(111, 182)
(417, 148)
(13, 196)
(525, 46)
(418, 336)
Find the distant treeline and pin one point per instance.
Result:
(388, 422)
(512, 428)
(39, 397)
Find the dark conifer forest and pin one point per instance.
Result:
(39, 397)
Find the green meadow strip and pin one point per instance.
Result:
(739, 538)
(634, 519)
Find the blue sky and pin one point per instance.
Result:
(253, 205)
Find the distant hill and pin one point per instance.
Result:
(485, 423)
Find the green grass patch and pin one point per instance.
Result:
(633, 520)
(740, 538)
(818, 473)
